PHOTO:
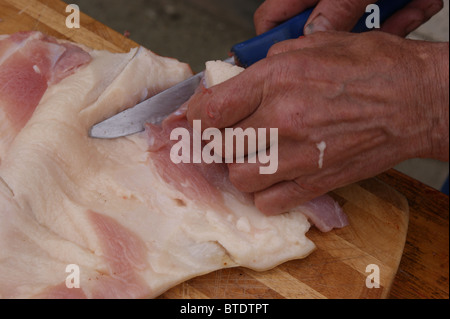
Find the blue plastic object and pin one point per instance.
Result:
(253, 50)
(445, 187)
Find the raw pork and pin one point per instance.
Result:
(110, 208)
(29, 62)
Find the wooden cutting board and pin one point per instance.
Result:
(337, 269)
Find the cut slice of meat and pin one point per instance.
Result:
(324, 213)
(108, 206)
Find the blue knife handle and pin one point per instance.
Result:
(255, 49)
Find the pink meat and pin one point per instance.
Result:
(61, 292)
(125, 254)
(29, 63)
(325, 213)
(207, 182)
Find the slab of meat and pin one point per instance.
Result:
(114, 209)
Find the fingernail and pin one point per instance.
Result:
(319, 23)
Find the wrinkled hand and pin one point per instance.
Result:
(342, 15)
(374, 99)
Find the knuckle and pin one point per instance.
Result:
(212, 115)
(277, 48)
(274, 50)
(208, 107)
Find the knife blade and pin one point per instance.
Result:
(155, 109)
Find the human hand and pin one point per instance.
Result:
(331, 15)
(374, 99)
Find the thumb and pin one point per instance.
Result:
(228, 103)
(332, 15)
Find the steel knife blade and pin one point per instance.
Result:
(153, 110)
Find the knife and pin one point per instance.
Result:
(155, 109)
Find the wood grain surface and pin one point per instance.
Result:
(337, 268)
(385, 213)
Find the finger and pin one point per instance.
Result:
(282, 162)
(318, 40)
(255, 133)
(331, 15)
(284, 196)
(228, 103)
(301, 157)
(273, 12)
(248, 176)
(412, 16)
(289, 45)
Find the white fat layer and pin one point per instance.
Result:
(56, 176)
(218, 72)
